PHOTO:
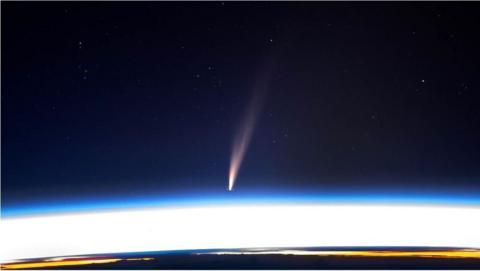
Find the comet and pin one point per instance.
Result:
(247, 125)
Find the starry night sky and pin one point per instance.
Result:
(126, 99)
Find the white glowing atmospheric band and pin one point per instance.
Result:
(239, 227)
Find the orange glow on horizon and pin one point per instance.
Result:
(436, 254)
(67, 262)
(373, 253)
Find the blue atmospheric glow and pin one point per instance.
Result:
(231, 199)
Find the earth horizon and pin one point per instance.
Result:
(419, 258)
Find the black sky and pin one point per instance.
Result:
(122, 98)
